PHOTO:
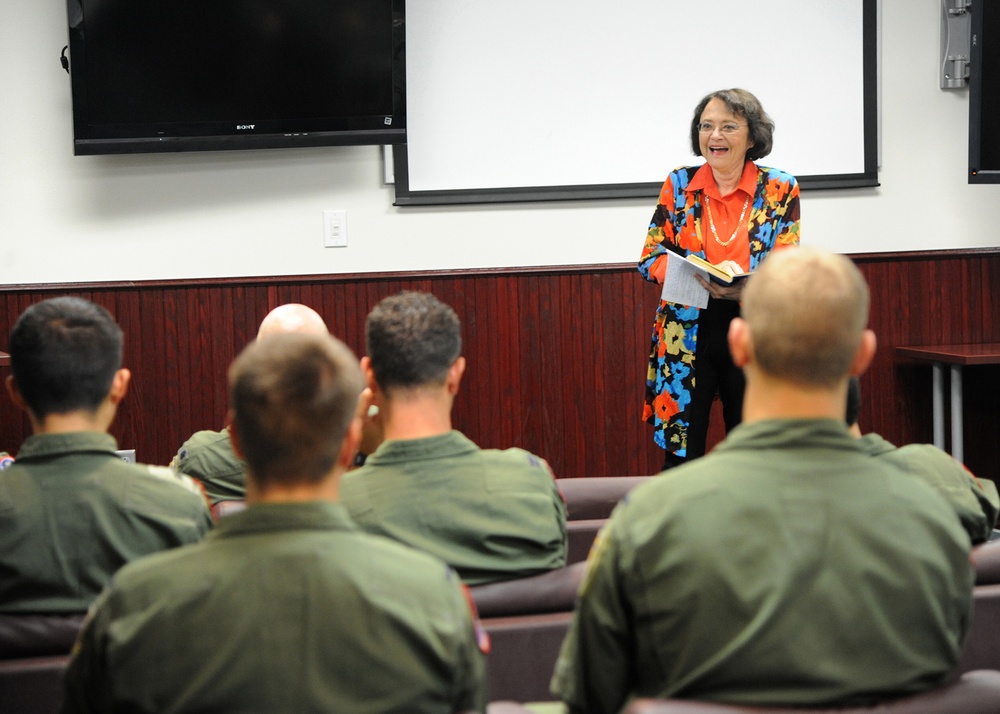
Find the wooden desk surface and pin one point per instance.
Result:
(987, 353)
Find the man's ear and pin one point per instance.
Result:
(18, 399)
(119, 385)
(15, 393)
(349, 447)
(369, 373)
(740, 344)
(455, 373)
(234, 437)
(865, 353)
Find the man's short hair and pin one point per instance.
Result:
(64, 353)
(807, 311)
(293, 398)
(412, 339)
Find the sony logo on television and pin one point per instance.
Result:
(244, 127)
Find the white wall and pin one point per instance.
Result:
(71, 219)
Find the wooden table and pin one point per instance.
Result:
(957, 356)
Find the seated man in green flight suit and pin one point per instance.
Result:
(71, 511)
(975, 501)
(208, 455)
(491, 514)
(287, 606)
(788, 567)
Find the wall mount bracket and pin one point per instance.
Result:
(956, 39)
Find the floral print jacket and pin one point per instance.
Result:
(676, 226)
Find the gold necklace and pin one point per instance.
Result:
(711, 223)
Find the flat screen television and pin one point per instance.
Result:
(984, 92)
(197, 75)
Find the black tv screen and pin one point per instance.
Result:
(191, 75)
(984, 92)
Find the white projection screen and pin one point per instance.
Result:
(522, 100)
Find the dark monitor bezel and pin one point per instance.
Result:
(92, 138)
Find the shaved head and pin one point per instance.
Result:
(291, 317)
(806, 311)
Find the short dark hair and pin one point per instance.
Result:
(412, 339)
(743, 104)
(64, 353)
(293, 397)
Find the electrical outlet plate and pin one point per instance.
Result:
(335, 229)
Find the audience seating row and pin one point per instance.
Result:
(986, 561)
(32, 685)
(595, 497)
(525, 648)
(589, 503)
(587, 499)
(580, 537)
(225, 508)
(973, 693)
(527, 620)
(34, 651)
(981, 649)
(982, 644)
(24, 636)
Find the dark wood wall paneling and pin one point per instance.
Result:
(556, 356)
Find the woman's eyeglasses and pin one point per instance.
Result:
(728, 128)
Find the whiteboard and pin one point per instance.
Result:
(536, 99)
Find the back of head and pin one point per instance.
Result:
(291, 317)
(412, 340)
(293, 397)
(64, 354)
(806, 311)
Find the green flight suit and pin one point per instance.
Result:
(786, 567)
(490, 514)
(975, 500)
(208, 456)
(72, 513)
(284, 607)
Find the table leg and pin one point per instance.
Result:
(956, 412)
(937, 384)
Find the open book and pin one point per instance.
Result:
(680, 285)
(721, 273)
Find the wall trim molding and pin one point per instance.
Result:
(959, 253)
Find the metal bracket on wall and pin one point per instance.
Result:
(956, 38)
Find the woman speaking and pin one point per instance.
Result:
(727, 209)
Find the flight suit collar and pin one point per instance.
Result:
(73, 442)
(272, 517)
(454, 443)
(790, 433)
(874, 444)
